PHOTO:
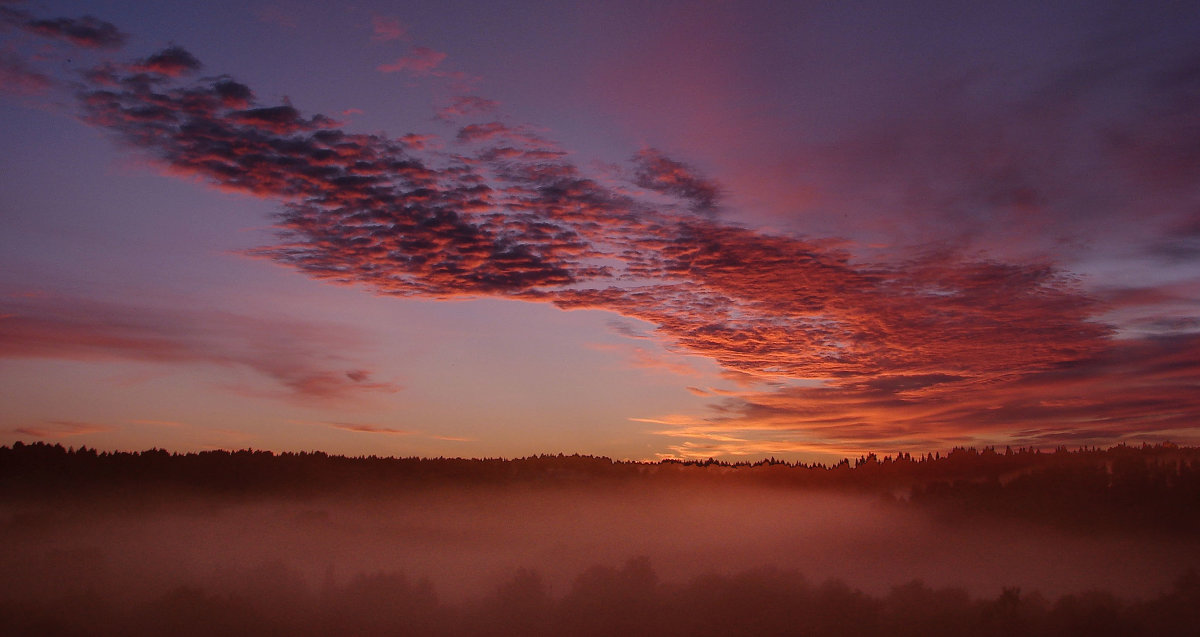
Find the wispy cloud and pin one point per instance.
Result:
(420, 61)
(297, 356)
(86, 32)
(679, 420)
(465, 105)
(370, 429)
(626, 329)
(454, 438)
(387, 29)
(18, 77)
(62, 429)
(647, 359)
(159, 423)
(277, 15)
(655, 171)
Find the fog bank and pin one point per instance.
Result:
(463, 541)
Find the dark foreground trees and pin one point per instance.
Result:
(1145, 489)
(628, 600)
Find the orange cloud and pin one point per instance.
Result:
(454, 438)
(642, 358)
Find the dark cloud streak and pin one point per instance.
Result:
(173, 61)
(88, 32)
(62, 429)
(655, 171)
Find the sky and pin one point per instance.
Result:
(696, 229)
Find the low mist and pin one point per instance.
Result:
(1090, 542)
(465, 541)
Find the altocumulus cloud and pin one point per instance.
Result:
(930, 347)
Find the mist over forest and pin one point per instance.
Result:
(251, 542)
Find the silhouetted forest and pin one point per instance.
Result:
(629, 600)
(1148, 488)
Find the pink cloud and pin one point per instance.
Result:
(19, 78)
(421, 61)
(387, 29)
(464, 105)
(294, 355)
(501, 133)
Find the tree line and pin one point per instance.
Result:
(1148, 487)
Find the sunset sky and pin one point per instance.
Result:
(726, 229)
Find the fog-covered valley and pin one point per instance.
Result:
(386, 558)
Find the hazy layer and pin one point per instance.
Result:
(466, 541)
